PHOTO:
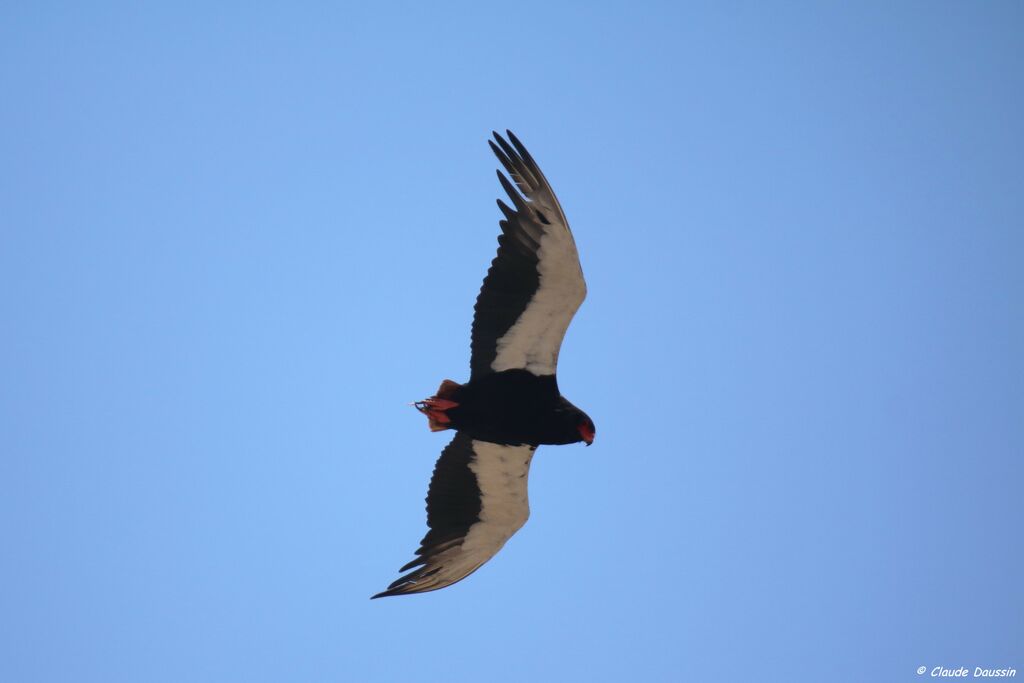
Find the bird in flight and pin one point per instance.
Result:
(511, 405)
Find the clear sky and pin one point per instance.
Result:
(236, 241)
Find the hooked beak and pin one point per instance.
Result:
(586, 434)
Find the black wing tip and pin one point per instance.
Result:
(392, 592)
(399, 587)
(518, 161)
(513, 150)
(513, 139)
(409, 565)
(517, 144)
(407, 585)
(497, 143)
(508, 133)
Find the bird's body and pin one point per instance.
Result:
(511, 404)
(511, 407)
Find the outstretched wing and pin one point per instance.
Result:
(476, 502)
(535, 283)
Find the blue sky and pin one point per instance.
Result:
(236, 241)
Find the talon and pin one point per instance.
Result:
(436, 406)
(442, 403)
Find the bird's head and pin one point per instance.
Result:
(586, 429)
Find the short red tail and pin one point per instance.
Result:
(436, 407)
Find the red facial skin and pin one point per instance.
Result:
(586, 432)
